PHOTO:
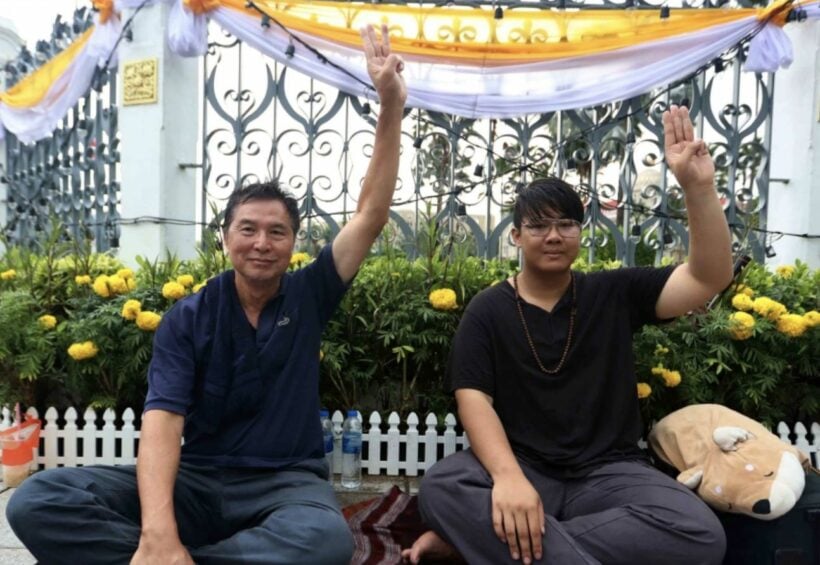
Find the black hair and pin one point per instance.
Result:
(269, 190)
(545, 195)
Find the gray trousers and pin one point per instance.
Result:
(624, 512)
(91, 515)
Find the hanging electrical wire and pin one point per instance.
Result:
(530, 166)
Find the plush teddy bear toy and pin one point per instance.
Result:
(733, 462)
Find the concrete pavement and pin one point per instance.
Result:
(12, 551)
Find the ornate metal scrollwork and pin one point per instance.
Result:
(317, 142)
(262, 120)
(74, 174)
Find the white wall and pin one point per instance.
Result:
(156, 138)
(794, 193)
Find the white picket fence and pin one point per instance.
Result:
(400, 449)
(391, 452)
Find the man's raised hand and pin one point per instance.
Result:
(383, 66)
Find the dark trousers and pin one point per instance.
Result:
(91, 515)
(624, 512)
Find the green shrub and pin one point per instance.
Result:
(388, 345)
(771, 375)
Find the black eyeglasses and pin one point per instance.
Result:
(565, 227)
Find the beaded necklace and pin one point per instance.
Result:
(527, 330)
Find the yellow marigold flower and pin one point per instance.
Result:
(743, 289)
(812, 318)
(443, 299)
(131, 309)
(131, 282)
(47, 321)
(671, 378)
(198, 287)
(125, 274)
(769, 308)
(741, 301)
(117, 284)
(8, 275)
(173, 290)
(742, 319)
(84, 350)
(644, 390)
(297, 259)
(148, 321)
(81, 280)
(185, 280)
(792, 325)
(785, 271)
(741, 325)
(660, 349)
(101, 287)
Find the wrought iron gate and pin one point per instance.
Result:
(262, 120)
(73, 175)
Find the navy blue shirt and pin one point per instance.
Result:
(270, 416)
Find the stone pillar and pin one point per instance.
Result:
(10, 44)
(794, 189)
(157, 136)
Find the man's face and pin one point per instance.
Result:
(550, 243)
(260, 241)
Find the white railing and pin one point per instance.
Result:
(399, 449)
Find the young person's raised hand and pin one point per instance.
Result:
(687, 157)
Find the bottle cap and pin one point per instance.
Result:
(323, 413)
(352, 414)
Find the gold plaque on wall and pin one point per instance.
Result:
(139, 82)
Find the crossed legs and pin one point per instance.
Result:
(624, 512)
(91, 515)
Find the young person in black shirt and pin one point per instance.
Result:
(543, 373)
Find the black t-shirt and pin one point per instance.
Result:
(587, 414)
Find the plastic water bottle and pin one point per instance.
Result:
(327, 440)
(352, 451)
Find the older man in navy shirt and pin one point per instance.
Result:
(235, 370)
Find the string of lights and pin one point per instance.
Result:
(213, 224)
(529, 166)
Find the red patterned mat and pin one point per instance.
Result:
(383, 526)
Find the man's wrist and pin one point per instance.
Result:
(390, 100)
(159, 530)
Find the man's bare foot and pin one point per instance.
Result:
(431, 546)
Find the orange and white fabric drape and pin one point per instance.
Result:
(459, 60)
(33, 107)
(464, 61)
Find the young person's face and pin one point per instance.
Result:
(260, 240)
(550, 243)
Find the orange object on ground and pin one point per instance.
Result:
(18, 441)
